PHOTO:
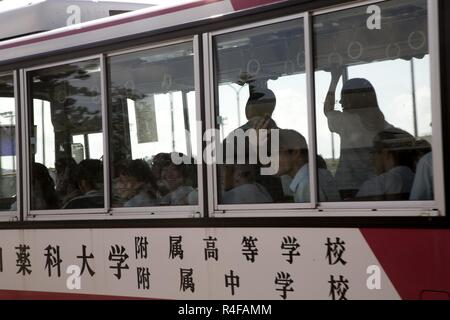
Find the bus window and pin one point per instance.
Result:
(261, 84)
(66, 106)
(373, 100)
(7, 144)
(153, 127)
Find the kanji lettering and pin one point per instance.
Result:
(141, 245)
(117, 254)
(289, 247)
(186, 280)
(232, 281)
(249, 249)
(85, 263)
(335, 250)
(143, 278)
(176, 248)
(283, 281)
(52, 260)
(338, 288)
(23, 259)
(211, 251)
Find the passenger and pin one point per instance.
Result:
(159, 161)
(258, 110)
(358, 123)
(89, 176)
(43, 193)
(240, 186)
(393, 157)
(422, 188)
(136, 185)
(66, 185)
(176, 179)
(293, 161)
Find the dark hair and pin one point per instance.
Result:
(91, 171)
(399, 143)
(41, 176)
(261, 102)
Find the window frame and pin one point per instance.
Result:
(216, 209)
(316, 208)
(15, 215)
(159, 212)
(39, 214)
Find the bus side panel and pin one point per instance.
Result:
(416, 261)
(191, 263)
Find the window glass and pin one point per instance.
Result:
(66, 142)
(153, 127)
(7, 144)
(373, 105)
(262, 117)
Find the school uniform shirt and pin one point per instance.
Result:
(177, 197)
(327, 186)
(354, 166)
(248, 193)
(398, 180)
(422, 188)
(142, 199)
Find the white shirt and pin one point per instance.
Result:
(356, 141)
(422, 188)
(398, 180)
(142, 199)
(247, 193)
(327, 186)
(178, 196)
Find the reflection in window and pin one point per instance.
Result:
(66, 144)
(261, 84)
(373, 100)
(153, 127)
(7, 144)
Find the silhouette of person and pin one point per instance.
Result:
(357, 124)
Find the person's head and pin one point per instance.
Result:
(357, 94)
(89, 175)
(174, 175)
(392, 148)
(43, 194)
(65, 180)
(261, 103)
(133, 175)
(293, 152)
(235, 175)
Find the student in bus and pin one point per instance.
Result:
(43, 193)
(89, 176)
(422, 188)
(293, 161)
(393, 158)
(357, 124)
(66, 185)
(178, 179)
(159, 161)
(135, 184)
(239, 185)
(258, 111)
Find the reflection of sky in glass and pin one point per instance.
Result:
(7, 118)
(392, 82)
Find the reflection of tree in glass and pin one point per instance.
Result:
(74, 96)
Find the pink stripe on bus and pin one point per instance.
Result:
(110, 24)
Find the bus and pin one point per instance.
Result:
(229, 149)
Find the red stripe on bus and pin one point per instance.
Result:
(41, 295)
(246, 4)
(416, 261)
(103, 25)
